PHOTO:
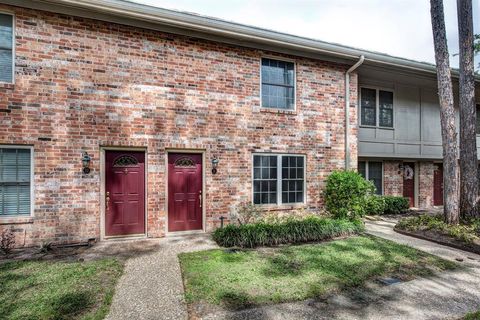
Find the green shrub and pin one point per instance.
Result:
(347, 194)
(395, 205)
(291, 231)
(375, 205)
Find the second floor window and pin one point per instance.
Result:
(6, 48)
(278, 84)
(376, 108)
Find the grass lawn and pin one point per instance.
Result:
(472, 316)
(273, 275)
(57, 289)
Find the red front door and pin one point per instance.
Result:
(124, 193)
(409, 182)
(438, 185)
(184, 191)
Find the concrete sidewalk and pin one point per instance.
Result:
(151, 286)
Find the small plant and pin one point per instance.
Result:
(375, 205)
(46, 246)
(7, 240)
(246, 212)
(347, 194)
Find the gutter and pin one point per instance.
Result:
(347, 110)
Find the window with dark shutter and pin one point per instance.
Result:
(6, 48)
(15, 173)
(278, 84)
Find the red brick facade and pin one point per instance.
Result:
(84, 84)
(393, 181)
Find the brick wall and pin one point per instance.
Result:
(82, 84)
(393, 181)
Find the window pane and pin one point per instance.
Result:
(264, 179)
(375, 175)
(386, 108)
(278, 84)
(292, 181)
(368, 107)
(6, 65)
(14, 181)
(6, 23)
(361, 169)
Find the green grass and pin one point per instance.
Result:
(472, 316)
(273, 275)
(57, 290)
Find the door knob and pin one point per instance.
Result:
(107, 200)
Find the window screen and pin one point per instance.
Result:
(369, 107)
(15, 181)
(6, 48)
(278, 84)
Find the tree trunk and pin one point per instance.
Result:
(447, 114)
(468, 114)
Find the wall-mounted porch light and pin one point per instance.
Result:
(401, 168)
(215, 162)
(86, 163)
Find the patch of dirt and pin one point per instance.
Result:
(122, 250)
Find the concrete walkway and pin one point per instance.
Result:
(151, 286)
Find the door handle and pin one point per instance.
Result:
(107, 200)
(200, 198)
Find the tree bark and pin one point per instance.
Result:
(447, 114)
(468, 114)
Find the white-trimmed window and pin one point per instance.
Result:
(278, 179)
(15, 180)
(6, 47)
(376, 107)
(372, 171)
(278, 84)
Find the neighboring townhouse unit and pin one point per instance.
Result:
(123, 120)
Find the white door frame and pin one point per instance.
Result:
(203, 153)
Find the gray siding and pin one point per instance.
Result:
(416, 133)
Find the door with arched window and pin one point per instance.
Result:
(184, 191)
(124, 193)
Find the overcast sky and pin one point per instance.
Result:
(397, 27)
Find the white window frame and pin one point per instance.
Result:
(279, 179)
(294, 83)
(377, 107)
(367, 173)
(13, 45)
(32, 175)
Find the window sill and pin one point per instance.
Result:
(280, 207)
(376, 127)
(7, 85)
(278, 111)
(16, 220)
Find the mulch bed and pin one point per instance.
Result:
(442, 239)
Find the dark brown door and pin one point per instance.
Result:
(124, 193)
(184, 191)
(438, 185)
(409, 182)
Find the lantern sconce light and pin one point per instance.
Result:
(86, 162)
(215, 162)
(401, 168)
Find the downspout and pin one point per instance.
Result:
(347, 110)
